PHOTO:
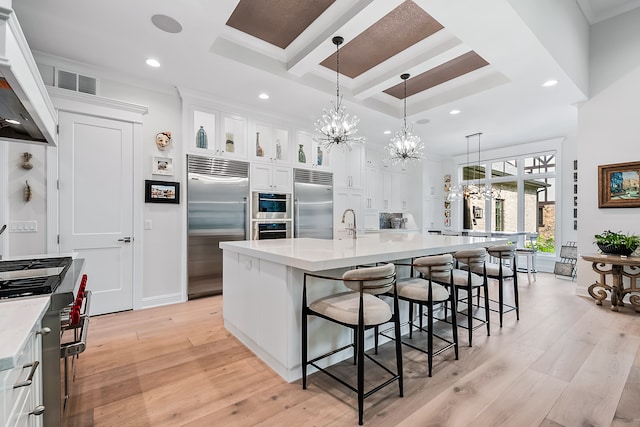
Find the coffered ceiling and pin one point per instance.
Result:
(479, 57)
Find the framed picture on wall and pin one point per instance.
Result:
(618, 185)
(162, 166)
(161, 192)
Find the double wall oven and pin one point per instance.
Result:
(270, 216)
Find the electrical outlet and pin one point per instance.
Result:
(23, 226)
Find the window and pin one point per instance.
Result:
(523, 196)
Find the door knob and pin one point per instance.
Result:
(125, 240)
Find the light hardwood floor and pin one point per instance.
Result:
(567, 362)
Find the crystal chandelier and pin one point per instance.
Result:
(473, 189)
(404, 145)
(336, 126)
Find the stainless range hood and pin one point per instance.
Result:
(26, 111)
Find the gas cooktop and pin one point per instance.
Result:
(27, 277)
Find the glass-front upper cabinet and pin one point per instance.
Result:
(308, 153)
(216, 133)
(270, 144)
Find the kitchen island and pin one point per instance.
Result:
(262, 287)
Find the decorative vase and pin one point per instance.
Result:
(278, 150)
(229, 145)
(201, 138)
(319, 157)
(259, 151)
(301, 156)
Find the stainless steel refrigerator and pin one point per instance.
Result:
(217, 211)
(312, 204)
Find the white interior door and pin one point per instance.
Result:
(96, 205)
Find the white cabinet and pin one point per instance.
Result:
(21, 386)
(400, 192)
(348, 166)
(347, 199)
(258, 287)
(270, 144)
(308, 154)
(375, 190)
(214, 133)
(271, 178)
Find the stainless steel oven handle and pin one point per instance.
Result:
(32, 372)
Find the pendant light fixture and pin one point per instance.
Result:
(405, 146)
(336, 126)
(473, 189)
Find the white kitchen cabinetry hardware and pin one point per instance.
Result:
(21, 386)
(272, 178)
(348, 167)
(270, 144)
(308, 154)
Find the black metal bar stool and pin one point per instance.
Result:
(472, 280)
(425, 292)
(503, 268)
(358, 309)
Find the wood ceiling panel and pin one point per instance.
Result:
(401, 28)
(278, 22)
(457, 67)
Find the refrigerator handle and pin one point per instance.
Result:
(246, 218)
(296, 214)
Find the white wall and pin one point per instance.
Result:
(608, 132)
(433, 195)
(21, 210)
(162, 251)
(614, 47)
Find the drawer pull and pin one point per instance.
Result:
(38, 410)
(32, 372)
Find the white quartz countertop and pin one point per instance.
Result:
(17, 317)
(320, 254)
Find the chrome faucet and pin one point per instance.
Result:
(350, 229)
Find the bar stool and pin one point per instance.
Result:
(504, 268)
(425, 292)
(358, 309)
(530, 253)
(471, 280)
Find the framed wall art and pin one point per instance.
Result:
(162, 166)
(161, 192)
(618, 185)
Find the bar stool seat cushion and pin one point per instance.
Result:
(343, 307)
(460, 278)
(415, 288)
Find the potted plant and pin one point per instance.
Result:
(617, 243)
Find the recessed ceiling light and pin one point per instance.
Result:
(454, 112)
(263, 96)
(387, 132)
(166, 23)
(152, 63)
(550, 83)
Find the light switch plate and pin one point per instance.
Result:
(148, 224)
(23, 226)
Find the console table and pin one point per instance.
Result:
(614, 266)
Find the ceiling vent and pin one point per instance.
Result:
(76, 82)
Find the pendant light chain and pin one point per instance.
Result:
(338, 72)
